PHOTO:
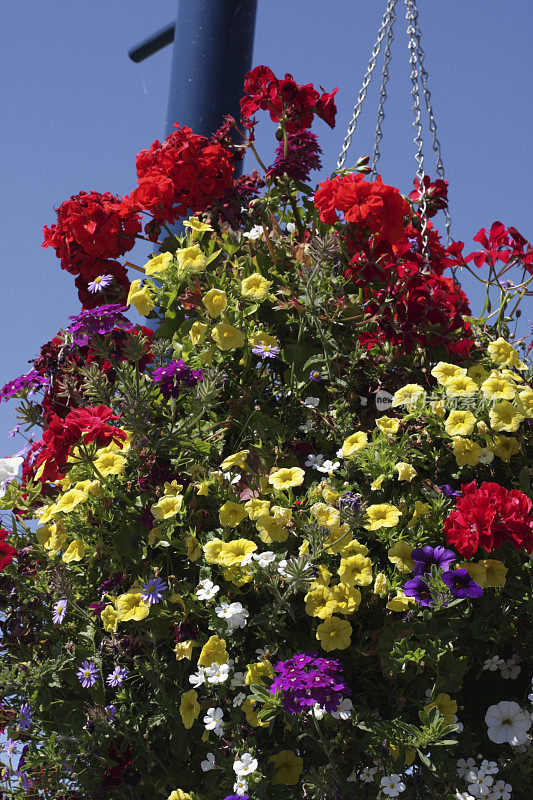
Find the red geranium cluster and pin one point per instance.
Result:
(6, 550)
(488, 516)
(368, 204)
(185, 173)
(286, 100)
(502, 244)
(86, 424)
(435, 192)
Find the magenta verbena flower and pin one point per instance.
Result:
(99, 320)
(302, 156)
(87, 674)
(32, 381)
(306, 679)
(173, 375)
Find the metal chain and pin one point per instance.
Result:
(417, 124)
(432, 122)
(366, 82)
(376, 155)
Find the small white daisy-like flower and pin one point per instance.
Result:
(208, 763)
(207, 589)
(239, 699)
(254, 233)
(344, 709)
(264, 559)
(486, 456)
(367, 774)
(316, 711)
(493, 663)
(197, 678)
(291, 227)
(213, 719)
(245, 765)
(489, 767)
(501, 791)
(238, 680)
(464, 766)
(392, 785)
(480, 782)
(217, 673)
(240, 786)
(315, 462)
(329, 467)
(307, 427)
(311, 402)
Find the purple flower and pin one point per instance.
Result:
(99, 320)
(350, 500)
(449, 491)
(152, 591)
(117, 676)
(97, 608)
(306, 679)
(315, 375)
(418, 589)
(237, 797)
(461, 584)
(266, 350)
(60, 609)
(425, 557)
(32, 381)
(99, 283)
(184, 631)
(10, 747)
(302, 156)
(111, 711)
(25, 714)
(111, 583)
(87, 674)
(171, 376)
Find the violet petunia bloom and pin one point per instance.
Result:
(426, 557)
(449, 491)
(461, 584)
(418, 588)
(306, 679)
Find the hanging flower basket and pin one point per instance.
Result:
(274, 543)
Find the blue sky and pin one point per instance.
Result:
(76, 111)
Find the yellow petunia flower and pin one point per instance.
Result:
(167, 506)
(255, 287)
(190, 260)
(213, 652)
(320, 602)
(525, 400)
(504, 416)
(74, 552)
(226, 336)
(231, 514)
(382, 515)
(406, 472)
(257, 508)
(110, 618)
(399, 603)
(409, 395)
(444, 371)
(347, 599)
(466, 451)
(355, 570)
(501, 352)
(235, 460)
(131, 606)
(216, 301)
(251, 712)
(478, 373)
(196, 226)
(461, 386)
(353, 548)
(504, 447)
(158, 264)
(388, 425)
(212, 551)
(288, 766)
(460, 423)
(400, 555)
(184, 649)
(179, 794)
(282, 515)
(334, 634)
(232, 553)
(496, 387)
(354, 443)
(286, 478)
(257, 671)
(325, 515)
(271, 530)
(438, 407)
(380, 584)
(140, 298)
(330, 496)
(375, 486)
(110, 464)
(189, 708)
(198, 332)
(447, 707)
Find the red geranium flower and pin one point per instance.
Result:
(6, 550)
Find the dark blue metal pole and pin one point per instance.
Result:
(213, 44)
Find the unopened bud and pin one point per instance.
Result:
(362, 162)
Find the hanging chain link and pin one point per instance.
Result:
(417, 124)
(376, 155)
(366, 82)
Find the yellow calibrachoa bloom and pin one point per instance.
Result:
(406, 472)
(194, 550)
(141, 298)
(355, 570)
(286, 477)
(226, 336)
(353, 548)
(354, 443)
(189, 708)
(198, 332)
(382, 515)
(466, 451)
(282, 515)
(504, 416)
(261, 337)
(478, 373)
(252, 714)
(325, 515)
(421, 510)
(255, 287)
(460, 423)
(257, 671)
(213, 652)
(110, 464)
(504, 447)
(320, 602)
(399, 603)
(400, 555)
(461, 386)
(231, 514)
(51, 536)
(330, 496)
(443, 371)
(109, 617)
(131, 606)
(409, 395)
(388, 424)
(179, 794)
(167, 506)
(447, 707)
(439, 408)
(501, 352)
(496, 387)
(347, 599)
(488, 572)
(232, 553)
(288, 766)
(375, 486)
(190, 260)
(184, 649)
(67, 502)
(212, 551)
(74, 552)
(196, 226)
(216, 301)
(257, 508)
(380, 584)
(526, 401)
(236, 460)
(271, 529)
(334, 634)
(158, 264)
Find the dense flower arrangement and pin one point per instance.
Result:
(276, 544)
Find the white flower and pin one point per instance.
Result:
(213, 718)
(501, 791)
(264, 559)
(209, 762)
(489, 767)
(344, 709)
(9, 467)
(307, 427)
(238, 680)
(311, 402)
(486, 456)
(480, 782)
(231, 479)
(291, 227)
(240, 786)
(234, 613)
(510, 669)
(207, 589)
(465, 766)
(329, 467)
(247, 559)
(245, 765)
(352, 778)
(464, 796)
(282, 568)
(314, 461)
(339, 453)
(460, 726)
(217, 673)
(367, 774)
(507, 722)
(198, 678)
(261, 652)
(255, 233)
(392, 785)
(239, 699)
(316, 711)
(494, 663)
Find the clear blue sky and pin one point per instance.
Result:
(76, 111)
